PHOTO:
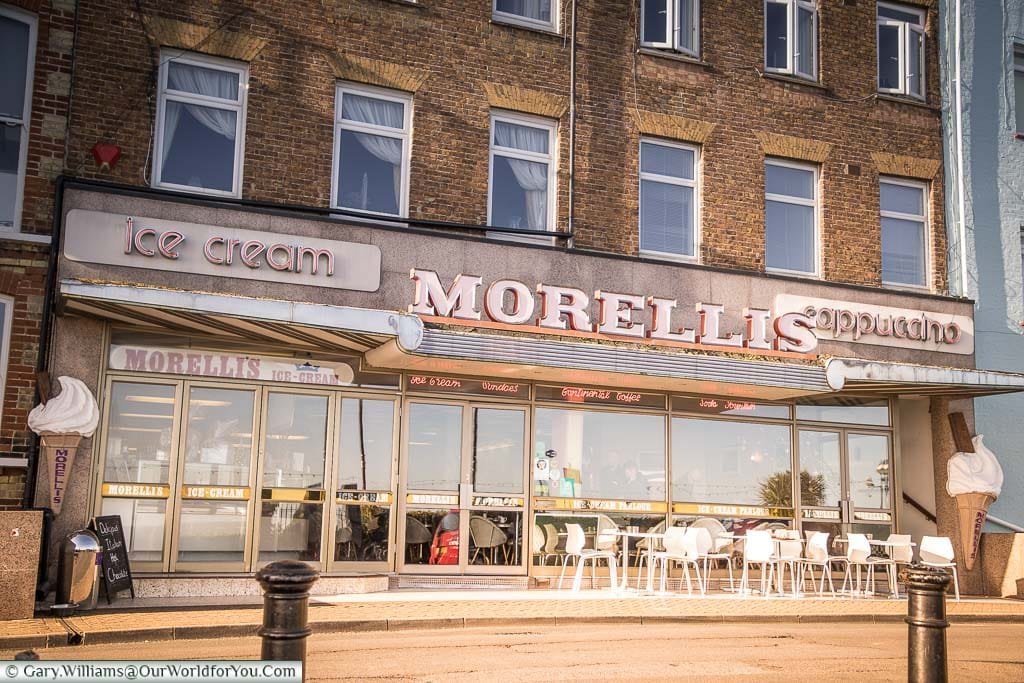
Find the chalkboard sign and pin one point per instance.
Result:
(116, 572)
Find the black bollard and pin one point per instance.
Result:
(285, 626)
(926, 616)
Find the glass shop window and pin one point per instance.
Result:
(598, 454)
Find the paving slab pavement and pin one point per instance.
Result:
(405, 610)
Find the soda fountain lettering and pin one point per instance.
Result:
(618, 314)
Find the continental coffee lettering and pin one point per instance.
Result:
(627, 315)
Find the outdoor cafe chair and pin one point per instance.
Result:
(488, 537)
(705, 550)
(640, 549)
(758, 549)
(937, 551)
(550, 543)
(816, 555)
(574, 547)
(900, 552)
(538, 541)
(789, 554)
(858, 555)
(680, 546)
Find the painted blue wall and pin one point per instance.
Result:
(993, 211)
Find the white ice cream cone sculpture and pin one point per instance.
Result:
(61, 423)
(975, 481)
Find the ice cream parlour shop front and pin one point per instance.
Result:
(220, 461)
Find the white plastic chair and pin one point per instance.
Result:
(858, 554)
(680, 546)
(789, 554)
(550, 543)
(574, 547)
(937, 551)
(758, 549)
(719, 543)
(901, 552)
(538, 542)
(816, 555)
(705, 550)
(640, 550)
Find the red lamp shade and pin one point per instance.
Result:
(106, 155)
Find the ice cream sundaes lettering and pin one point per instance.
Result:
(975, 480)
(61, 423)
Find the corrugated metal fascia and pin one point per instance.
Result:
(619, 359)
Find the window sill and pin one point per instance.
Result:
(793, 273)
(906, 289)
(786, 78)
(668, 258)
(408, 3)
(25, 237)
(673, 56)
(512, 23)
(902, 99)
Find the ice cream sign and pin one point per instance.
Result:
(627, 316)
(158, 244)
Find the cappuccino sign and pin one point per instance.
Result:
(848, 321)
(157, 244)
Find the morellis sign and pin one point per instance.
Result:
(630, 316)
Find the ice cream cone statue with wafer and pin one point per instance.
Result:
(61, 423)
(975, 481)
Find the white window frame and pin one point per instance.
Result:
(527, 22)
(815, 203)
(25, 122)
(405, 135)
(793, 38)
(1018, 49)
(670, 180)
(922, 218)
(164, 96)
(905, 29)
(551, 159)
(672, 41)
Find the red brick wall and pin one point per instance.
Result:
(289, 133)
(23, 265)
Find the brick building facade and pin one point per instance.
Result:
(24, 247)
(152, 308)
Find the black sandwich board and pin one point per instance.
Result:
(116, 572)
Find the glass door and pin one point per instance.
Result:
(844, 482)
(463, 491)
(293, 465)
(216, 479)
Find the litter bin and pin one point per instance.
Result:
(78, 570)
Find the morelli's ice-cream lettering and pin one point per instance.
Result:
(61, 423)
(72, 411)
(975, 480)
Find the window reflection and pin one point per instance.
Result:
(212, 531)
(869, 470)
(219, 440)
(139, 437)
(290, 531)
(143, 522)
(599, 454)
(361, 533)
(296, 437)
(820, 469)
(435, 447)
(498, 451)
(366, 440)
(718, 461)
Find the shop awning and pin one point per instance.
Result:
(854, 375)
(623, 365)
(319, 327)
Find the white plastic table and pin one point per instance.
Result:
(890, 568)
(626, 535)
(797, 588)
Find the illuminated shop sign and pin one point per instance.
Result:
(363, 497)
(157, 244)
(215, 492)
(134, 491)
(549, 308)
(728, 406)
(720, 510)
(589, 395)
(171, 361)
(848, 321)
(461, 385)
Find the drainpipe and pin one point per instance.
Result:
(572, 125)
(961, 201)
